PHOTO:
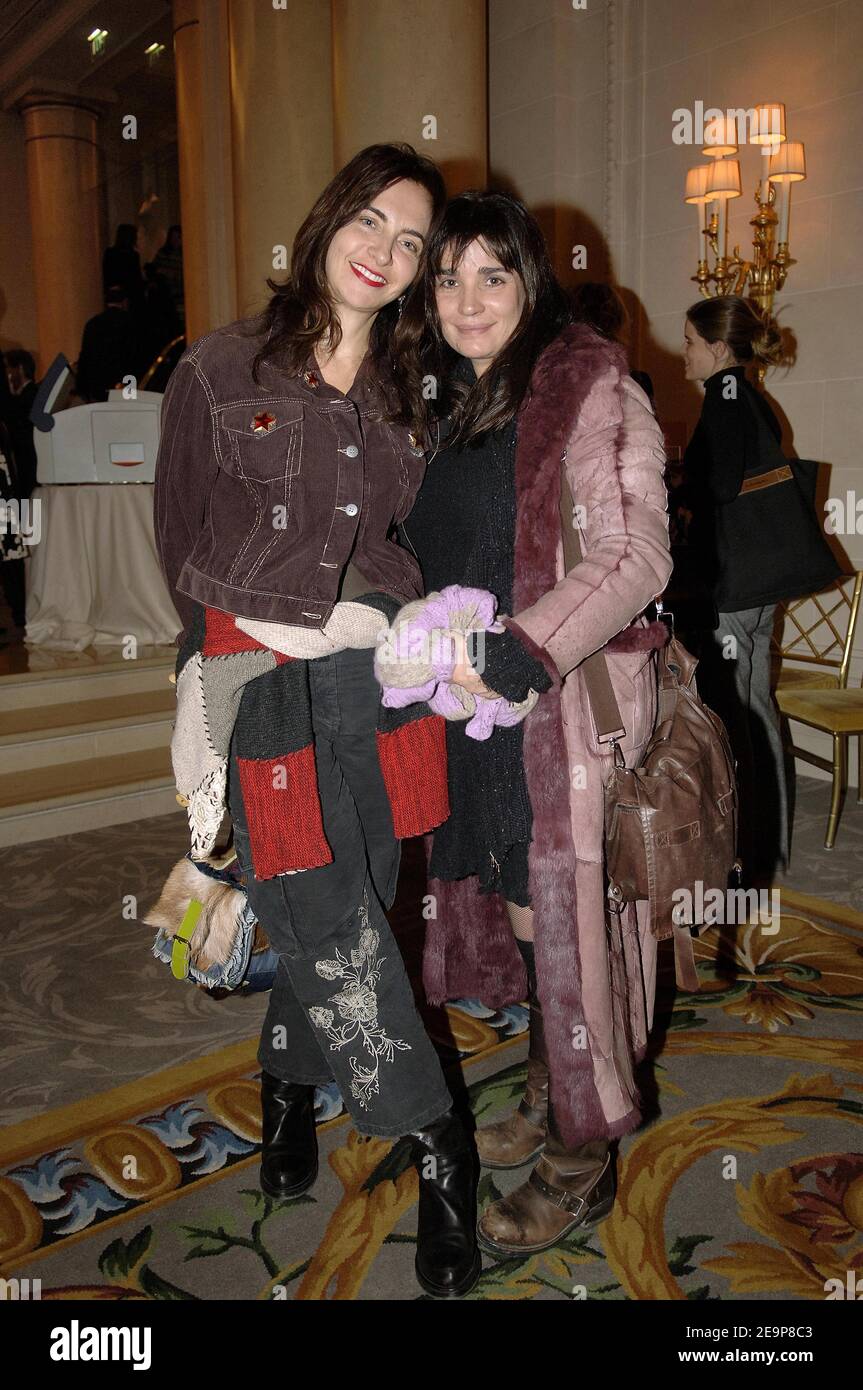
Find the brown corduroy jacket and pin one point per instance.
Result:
(265, 491)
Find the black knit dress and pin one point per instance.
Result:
(462, 531)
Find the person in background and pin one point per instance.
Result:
(121, 266)
(17, 480)
(602, 307)
(159, 322)
(110, 348)
(724, 337)
(168, 263)
(13, 551)
(15, 410)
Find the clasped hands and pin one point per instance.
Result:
(463, 673)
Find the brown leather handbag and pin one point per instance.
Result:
(670, 822)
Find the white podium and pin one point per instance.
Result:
(113, 441)
(94, 576)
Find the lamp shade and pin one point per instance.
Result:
(788, 164)
(723, 179)
(696, 183)
(720, 137)
(768, 127)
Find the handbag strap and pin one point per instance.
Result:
(685, 969)
(600, 694)
(768, 445)
(607, 720)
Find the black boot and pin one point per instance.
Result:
(448, 1262)
(289, 1154)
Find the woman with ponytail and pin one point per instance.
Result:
(759, 544)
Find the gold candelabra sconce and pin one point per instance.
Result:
(711, 186)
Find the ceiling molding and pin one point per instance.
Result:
(54, 23)
(35, 91)
(31, 40)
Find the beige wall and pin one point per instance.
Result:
(17, 299)
(547, 85)
(581, 110)
(413, 72)
(282, 134)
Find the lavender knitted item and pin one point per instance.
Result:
(415, 660)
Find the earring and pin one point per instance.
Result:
(400, 302)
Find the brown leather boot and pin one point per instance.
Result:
(567, 1188)
(520, 1137)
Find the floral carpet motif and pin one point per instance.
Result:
(776, 980)
(745, 1180)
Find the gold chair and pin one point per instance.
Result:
(817, 693)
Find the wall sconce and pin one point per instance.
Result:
(783, 163)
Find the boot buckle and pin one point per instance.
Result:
(559, 1197)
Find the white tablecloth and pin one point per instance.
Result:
(94, 578)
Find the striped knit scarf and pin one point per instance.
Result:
(236, 695)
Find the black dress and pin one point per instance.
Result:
(462, 531)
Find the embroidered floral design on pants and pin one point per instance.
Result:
(357, 1004)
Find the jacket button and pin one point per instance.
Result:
(351, 451)
(351, 509)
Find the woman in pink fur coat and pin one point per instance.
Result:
(517, 872)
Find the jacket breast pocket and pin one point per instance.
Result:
(262, 442)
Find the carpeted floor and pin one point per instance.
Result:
(132, 1121)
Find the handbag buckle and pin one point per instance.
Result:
(616, 901)
(664, 614)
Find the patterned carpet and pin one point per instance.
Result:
(127, 1175)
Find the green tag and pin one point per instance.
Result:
(180, 955)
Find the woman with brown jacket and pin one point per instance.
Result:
(287, 455)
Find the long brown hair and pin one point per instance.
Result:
(751, 336)
(300, 312)
(514, 237)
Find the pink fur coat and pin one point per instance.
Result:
(596, 973)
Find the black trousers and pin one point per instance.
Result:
(342, 1006)
(739, 688)
(13, 580)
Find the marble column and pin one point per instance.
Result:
(63, 179)
(282, 126)
(202, 67)
(415, 72)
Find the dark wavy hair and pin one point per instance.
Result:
(600, 306)
(300, 312)
(514, 238)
